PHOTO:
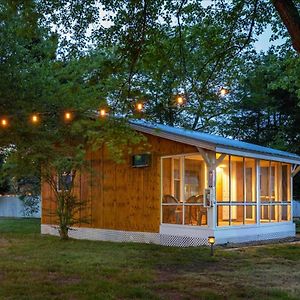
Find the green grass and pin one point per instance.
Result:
(43, 267)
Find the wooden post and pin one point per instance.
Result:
(258, 191)
(211, 183)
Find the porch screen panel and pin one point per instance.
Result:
(285, 183)
(171, 206)
(237, 179)
(167, 176)
(177, 178)
(285, 213)
(194, 185)
(265, 191)
(250, 190)
(223, 191)
(193, 177)
(222, 181)
(275, 191)
(236, 191)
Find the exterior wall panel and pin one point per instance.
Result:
(118, 196)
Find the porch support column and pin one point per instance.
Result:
(211, 183)
(295, 170)
(258, 205)
(211, 164)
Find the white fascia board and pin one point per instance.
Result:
(174, 137)
(257, 155)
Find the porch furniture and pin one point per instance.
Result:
(195, 214)
(172, 210)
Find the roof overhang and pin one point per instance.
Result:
(214, 147)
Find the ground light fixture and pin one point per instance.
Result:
(211, 242)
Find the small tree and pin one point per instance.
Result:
(34, 82)
(57, 157)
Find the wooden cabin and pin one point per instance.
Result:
(185, 187)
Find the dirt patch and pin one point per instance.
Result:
(54, 277)
(291, 240)
(4, 243)
(2, 275)
(63, 279)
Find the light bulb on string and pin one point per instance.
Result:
(139, 106)
(103, 112)
(224, 91)
(35, 118)
(179, 100)
(68, 116)
(4, 122)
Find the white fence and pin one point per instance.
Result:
(12, 206)
(296, 208)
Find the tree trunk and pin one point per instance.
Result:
(290, 17)
(63, 232)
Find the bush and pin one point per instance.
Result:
(31, 205)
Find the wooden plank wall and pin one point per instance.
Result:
(119, 196)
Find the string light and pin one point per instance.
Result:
(179, 100)
(102, 112)
(68, 116)
(4, 122)
(224, 91)
(139, 106)
(34, 118)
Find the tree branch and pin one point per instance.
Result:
(291, 18)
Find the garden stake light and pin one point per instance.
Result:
(211, 241)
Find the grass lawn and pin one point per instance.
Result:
(43, 267)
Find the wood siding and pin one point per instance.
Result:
(119, 196)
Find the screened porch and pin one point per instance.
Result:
(243, 191)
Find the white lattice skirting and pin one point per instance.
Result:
(127, 236)
(181, 236)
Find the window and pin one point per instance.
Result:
(236, 191)
(183, 184)
(65, 180)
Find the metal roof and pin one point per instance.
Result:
(214, 142)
